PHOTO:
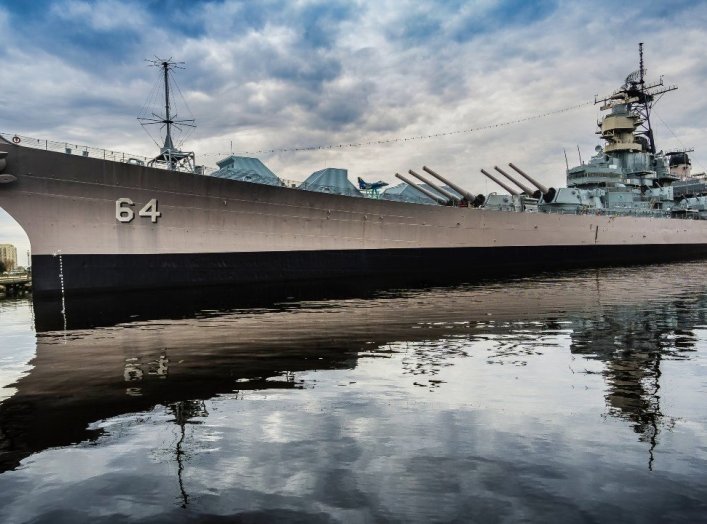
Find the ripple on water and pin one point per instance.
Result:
(566, 397)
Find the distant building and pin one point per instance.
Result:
(8, 255)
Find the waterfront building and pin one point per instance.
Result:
(8, 255)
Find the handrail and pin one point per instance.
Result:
(116, 156)
(83, 150)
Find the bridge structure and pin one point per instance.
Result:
(12, 285)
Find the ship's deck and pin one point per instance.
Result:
(131, 158)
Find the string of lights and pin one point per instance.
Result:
(409, 138)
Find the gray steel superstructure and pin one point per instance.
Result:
(97, 224)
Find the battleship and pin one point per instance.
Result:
(99, 221)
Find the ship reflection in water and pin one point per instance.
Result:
(571, 397)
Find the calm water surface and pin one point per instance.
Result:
(573, 398)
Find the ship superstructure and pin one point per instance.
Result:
(627, 175)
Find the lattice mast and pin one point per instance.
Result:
(644, 108)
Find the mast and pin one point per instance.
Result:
(647, 96)
(170, 156)
(646, 106)
(168, 139)
(634, 100)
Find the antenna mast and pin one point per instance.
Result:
(168, 140)
(645, 100)
(647, 96)
(169, 156)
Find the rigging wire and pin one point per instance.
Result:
(669, 129)
(185, 134)
(410, 138)
(150, 106)
(676, 138)
(150, 101)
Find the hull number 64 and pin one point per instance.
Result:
(124, 210)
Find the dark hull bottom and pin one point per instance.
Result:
(98, 273)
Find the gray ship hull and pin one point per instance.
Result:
(214, 231)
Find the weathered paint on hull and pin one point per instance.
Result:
(216, 231)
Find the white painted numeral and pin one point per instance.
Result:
(123, 213)
(150, 210)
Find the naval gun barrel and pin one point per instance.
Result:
(530, 179)
(422, 190)
(504, 186)
(455, 187)
(523, 187)
(450, 196)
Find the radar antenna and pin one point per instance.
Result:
(633, 78)
(170, 156)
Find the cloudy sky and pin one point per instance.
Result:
(277, 74)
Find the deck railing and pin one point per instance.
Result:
(70, 148)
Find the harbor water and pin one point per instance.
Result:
(570, 397)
